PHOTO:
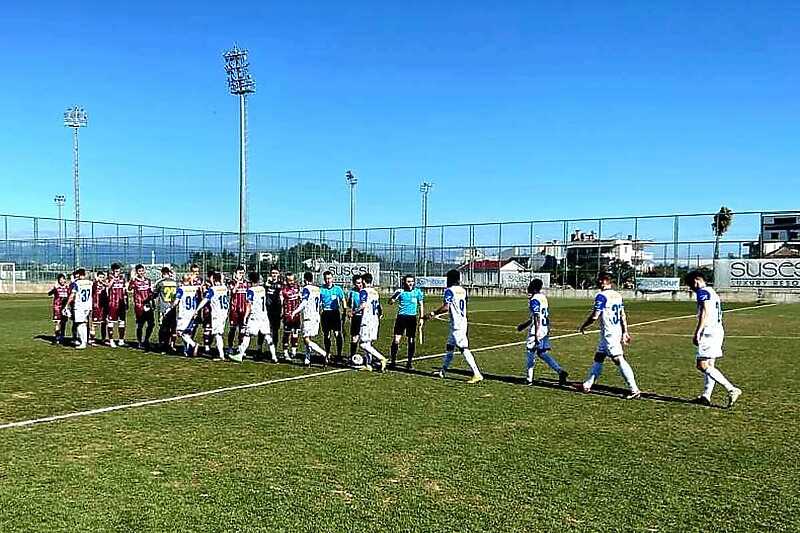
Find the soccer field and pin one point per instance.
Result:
(340, 450)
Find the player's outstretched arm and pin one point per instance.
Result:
(623, 322)
(590, 319)
(524, 325)
(299, 308)
(702, 314)
(440, 311)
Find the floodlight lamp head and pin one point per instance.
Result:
(425, 187)
(351, 179)
(60, 199)
(237, 68)
(75, 117)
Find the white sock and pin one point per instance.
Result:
(720, 378)
(552, 363)
(594, 374)
(471, 362)
(448, 358)
(82, 333)
(188, 342)
(244, 344)
(314, 346)
(627, 374)
(220, 346)
(531, 360)
(708, 383)
(272, 350)
(370, 349)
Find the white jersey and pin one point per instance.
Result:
(609, 303)
(187, 298)
(714, 317)
(310, 297)
(219, 300)
(369, 296)
(539, 307)
(82, 288)
(257, 297)
(456, 299)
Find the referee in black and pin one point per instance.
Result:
(273, 287)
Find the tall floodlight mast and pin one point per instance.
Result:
(425, 188)
(351, 181)
(241, 84)
(60, 200)
(76, 118)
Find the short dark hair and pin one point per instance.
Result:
(165, 270)
(367, 277)
(453, 277)
(604, 276)
(693, 275)
(216, 276)
(193, 266)
(356, 277)
(327, 273)
(535, 286)
(287, 274)
(409, 276)
(253, 277)
(139, 266)
(80, 272)
(61, 276)
(115, 266)
(210, 273)
(308, 276)
(239, 267)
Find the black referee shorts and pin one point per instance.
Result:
(406, 325)
(355, 325)
(331, 320)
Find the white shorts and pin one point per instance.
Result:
(183, 324)
(710, 345)
(81, 315)
(217, 326)
(458, 338)
(259, 327)
(610, 345)
(368, 331)
(310, 328)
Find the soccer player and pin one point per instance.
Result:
(81, 297)
(410, 302)
(99, 307)
(354, 304)
(60, 294)
(332, 298)
(165, 291)
(205, 315)
(455, 303)
(237, 287)
(309, 306)
(117, 305)
(290, 301)
(187, 296)
(610, 310)
(217, 299)
(708, 336)
(539, 336)
(142, 289)
(256, 318)
(273, 288)
(370, 308)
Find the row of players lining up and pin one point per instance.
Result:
(608, 308)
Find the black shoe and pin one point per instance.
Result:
(701, 400)
(562, 378)
(409, 367)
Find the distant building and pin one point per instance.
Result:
(585, 247)
(778, 231)
(488, 271)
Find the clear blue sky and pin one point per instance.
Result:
(517, 110)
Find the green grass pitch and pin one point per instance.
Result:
(357, 451)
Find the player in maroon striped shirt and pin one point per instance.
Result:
(290, 301)
(238, 307)
(142, 289)
(99, 307)
(60, 294)
(117, 305)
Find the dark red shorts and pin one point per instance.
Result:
(58, 311)
(98, 313)
(237, 317)
(295, 323)
(117, 312)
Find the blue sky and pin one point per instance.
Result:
(515, 111)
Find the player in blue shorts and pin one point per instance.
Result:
(539, 335)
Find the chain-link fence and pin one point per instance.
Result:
(571, 251)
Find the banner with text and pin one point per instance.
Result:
(343, 272)
(520, 280)
(757, 273)
(431, 282)
(658, 284)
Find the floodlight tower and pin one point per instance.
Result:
(76, 118)
(351, 181)
(240, 83)
(425, 188)
(60, 200)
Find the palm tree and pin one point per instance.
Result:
(720, 225)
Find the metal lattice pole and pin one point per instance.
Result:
(425, 188)
(352, 180)
(76, 118)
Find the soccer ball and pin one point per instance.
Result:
(357, 360)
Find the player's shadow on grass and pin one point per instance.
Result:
(598, 390)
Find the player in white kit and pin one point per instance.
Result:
(708, 337)
(309, 306)
(256, 318)
(539, 335)
(187, 296)
(218, 299)
(610, 310)
(455, 303)
(370, 308)
(80, 298)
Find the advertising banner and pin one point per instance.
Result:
(343, 272)
(658, 284)
(757, 273)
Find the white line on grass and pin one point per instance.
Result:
(778, 337)
(145, 403)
